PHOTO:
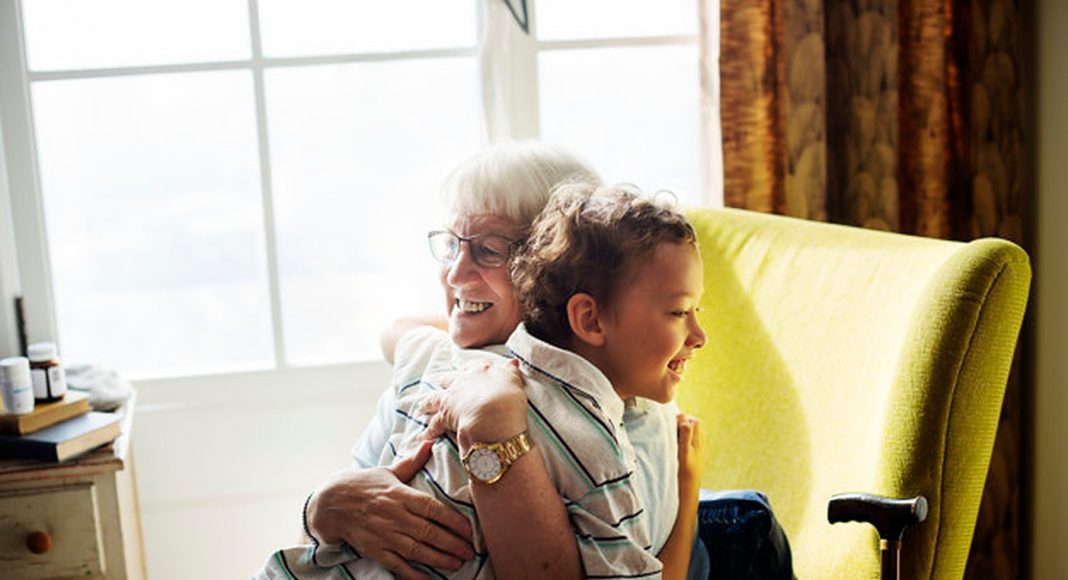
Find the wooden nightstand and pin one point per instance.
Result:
(85, 508)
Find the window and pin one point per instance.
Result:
(257, 199)
(619, 82)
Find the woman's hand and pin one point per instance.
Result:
(482, 401)
(375, 512)
(691, 455)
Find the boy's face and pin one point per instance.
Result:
(481, 302)
(651, 327)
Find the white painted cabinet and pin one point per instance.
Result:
(77, 519)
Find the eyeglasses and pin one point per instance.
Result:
(488, 251)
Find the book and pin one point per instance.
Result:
(63, 440)
(72, 404)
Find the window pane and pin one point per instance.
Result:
(75, 34)
(359, 152)
(633, 112)
(310, 27)
(154, 221)
(568, 19)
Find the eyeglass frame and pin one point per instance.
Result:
(473, 242)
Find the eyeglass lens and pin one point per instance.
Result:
(489, 251)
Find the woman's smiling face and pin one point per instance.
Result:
(481, 302)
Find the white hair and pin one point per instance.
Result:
(514, 179)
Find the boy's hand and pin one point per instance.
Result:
(691, 455)
(483, 401)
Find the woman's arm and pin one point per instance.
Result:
(675, 555)
(524, 522)
(378, 514)
(373, 510)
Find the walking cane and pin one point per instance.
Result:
(889, 516)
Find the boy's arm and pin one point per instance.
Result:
(675, 555)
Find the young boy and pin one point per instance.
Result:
(609, 283)
(616, 279)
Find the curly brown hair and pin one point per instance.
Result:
(590, 240)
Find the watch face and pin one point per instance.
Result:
(484, 464)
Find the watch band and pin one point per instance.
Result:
(513, 448)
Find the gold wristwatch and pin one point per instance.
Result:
(487, 462)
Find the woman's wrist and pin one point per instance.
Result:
(320, 517)
(313, 524)
(304, 519)
(497, 420)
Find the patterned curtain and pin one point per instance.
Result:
(902, 115)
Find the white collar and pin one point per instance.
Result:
(569, 368)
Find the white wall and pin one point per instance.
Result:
(223, 464)
(1050, 306)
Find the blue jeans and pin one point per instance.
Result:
(738, 538)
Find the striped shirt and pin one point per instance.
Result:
(575, 420)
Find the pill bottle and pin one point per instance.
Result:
(49, 378)
(16, 384)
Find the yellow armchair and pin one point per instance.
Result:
(849, 360)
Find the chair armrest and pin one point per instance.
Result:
(889, 516)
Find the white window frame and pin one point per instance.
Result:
(511, 58)
(509, 61)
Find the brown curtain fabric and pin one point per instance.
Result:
(903, 115)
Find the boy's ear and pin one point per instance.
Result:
(584, 316)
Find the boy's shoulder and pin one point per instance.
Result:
(551, 371)
(573, 410)
(586, 450)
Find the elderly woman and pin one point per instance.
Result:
(492, 199)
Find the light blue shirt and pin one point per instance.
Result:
(653, 434)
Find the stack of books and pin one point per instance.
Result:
(57, 431)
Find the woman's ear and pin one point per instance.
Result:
(584, 316)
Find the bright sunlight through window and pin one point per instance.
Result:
(230, 185)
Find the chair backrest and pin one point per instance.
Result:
(849, 360)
